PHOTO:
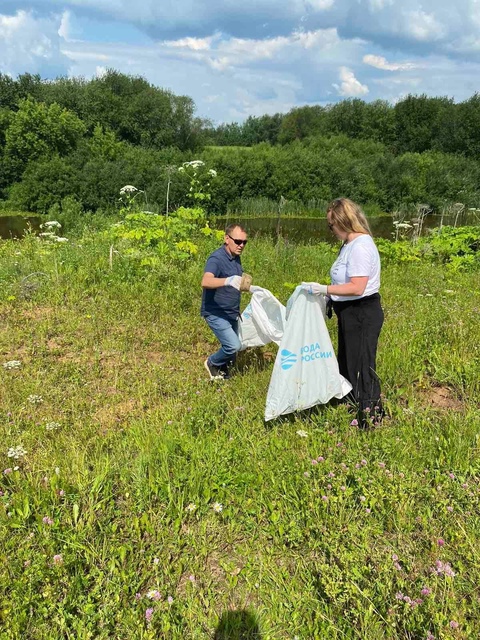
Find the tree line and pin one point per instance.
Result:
(82, 140)
(414, 124)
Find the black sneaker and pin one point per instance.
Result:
(214, 372)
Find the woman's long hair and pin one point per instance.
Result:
(348, 216)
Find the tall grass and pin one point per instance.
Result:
(152, 503)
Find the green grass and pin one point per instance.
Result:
(117, 359)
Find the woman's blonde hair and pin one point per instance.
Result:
(348, 216)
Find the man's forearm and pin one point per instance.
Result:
(210, 282)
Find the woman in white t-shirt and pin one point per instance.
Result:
(355, 277)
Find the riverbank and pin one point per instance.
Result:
(150, 502)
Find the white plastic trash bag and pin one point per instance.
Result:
(306, 370)
(263, 320)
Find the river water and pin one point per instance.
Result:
(297, 230)
(304, 230)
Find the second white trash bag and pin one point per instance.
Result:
(263, 319)
(306, 370)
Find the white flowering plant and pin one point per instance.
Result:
(200, 179)
(152, 238)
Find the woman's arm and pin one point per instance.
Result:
(355, 287)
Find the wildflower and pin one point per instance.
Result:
(451, 476)
(16, 452)
(430, 636)
(217, 507)
(302, 433)
(156, 561)
(443, 569)
(343, 488)
(7, 471)
(306, 474)
(453, 624)
(450, 509)
(57, 559)
(169, 599)
(34, 399)
(148, 615)
(394, 557)
(47, 520)
(363, 462)
(397, 566)
(399, 595)
(354, 423)
(362, 498)
(426, 591)
(12, 364)
(321, 459)
(191, 578)
(325, 498)
(314, 461)
(154, 594)
(381, 465)
(213, 173)
(51, 224)
(61, 493)
(440, 542)
(367, 510)
(138, 596)
(194, 163)
(128, 188)
(27, 563)
(60, 239)
(51, 426)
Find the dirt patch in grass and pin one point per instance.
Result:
(113, 416)
(38, 312)
(442, 398)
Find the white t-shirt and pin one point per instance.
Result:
(357, 258)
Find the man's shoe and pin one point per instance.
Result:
(225, 372)
(214, 372)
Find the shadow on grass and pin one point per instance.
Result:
(238, 625)
(254, 359)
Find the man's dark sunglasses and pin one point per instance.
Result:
(237, 241)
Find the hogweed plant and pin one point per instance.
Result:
(151, 239)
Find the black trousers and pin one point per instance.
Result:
(359, 325)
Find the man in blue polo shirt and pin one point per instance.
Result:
(221, 282)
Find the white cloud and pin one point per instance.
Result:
(350, 86)
(379, 62)
(424, 26)
(195, 44)
(319, 5)
(30, 44)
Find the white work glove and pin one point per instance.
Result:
(314, 288)
(233, 281)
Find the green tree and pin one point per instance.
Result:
(303, 122)
(37, 130)
(418, 122)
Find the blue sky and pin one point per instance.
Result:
(250, 57)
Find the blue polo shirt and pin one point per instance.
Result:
(223, 302)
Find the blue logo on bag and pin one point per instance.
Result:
(288, 359)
